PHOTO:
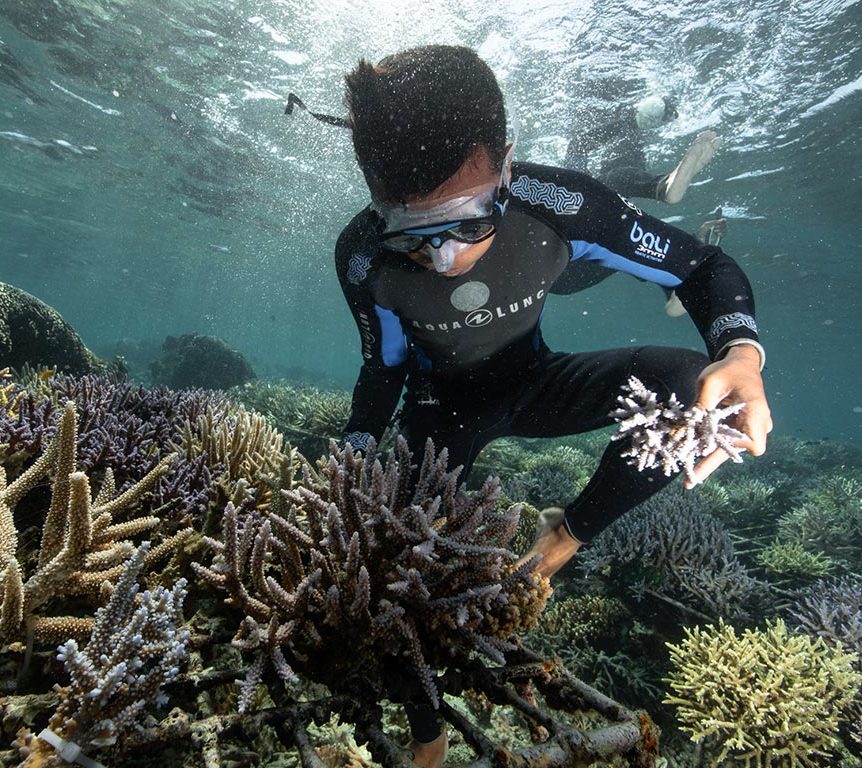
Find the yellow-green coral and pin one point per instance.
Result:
(792, 559)
(764, 698)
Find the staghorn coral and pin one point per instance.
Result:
(669, 436)
(244, 444)
(670, 549)
(791, 560)
(307, 415)
(82, 544)
(124, 428)
(134, 649)
(831, 609)
(765, 698)
(829, 517)
(366, 559)
(9, 394)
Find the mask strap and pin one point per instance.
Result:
(505, 172)
(294, 100)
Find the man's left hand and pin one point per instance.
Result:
(734, 379)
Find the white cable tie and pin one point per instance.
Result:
(68, 751)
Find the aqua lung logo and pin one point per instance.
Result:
(650, 246)
(481, 316)
(478, 317)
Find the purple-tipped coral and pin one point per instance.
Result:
(668, 436)
(831, 609)
(134, 649)
(361, 568)
(123, 427)
(670, 548)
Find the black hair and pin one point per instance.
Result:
(419, 114)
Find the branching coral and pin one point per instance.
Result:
(124, 428)
(763, 698)
(9, 394)
(831, 609)
(550, 478)
(790, 559)
(244, 444)
(829, 518)
(669, 548)
(366, 559)
(307, 415)
(134, 649)
(668, 436)
(83, 543)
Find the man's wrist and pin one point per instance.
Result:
(744, 349)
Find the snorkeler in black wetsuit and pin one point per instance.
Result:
(447, 273)
(618, 137)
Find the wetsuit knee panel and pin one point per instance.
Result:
(669, 370)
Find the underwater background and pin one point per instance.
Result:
(151, 187)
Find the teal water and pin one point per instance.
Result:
(150, 184)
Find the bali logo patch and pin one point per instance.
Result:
(552, 197)
(649, 246)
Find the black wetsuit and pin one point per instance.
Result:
(619, 141)
(470, 347)
(471, 351)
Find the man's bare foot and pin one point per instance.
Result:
(553, 543)
(674, 187)
(673, 306)
(431, 754)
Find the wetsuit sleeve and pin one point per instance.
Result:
(603, 228)
(384, 349)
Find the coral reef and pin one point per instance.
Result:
(670, 549)
(308, 416)
(668, 436)
(829, 517)
(9, 393)
(191, 360)
(831, 609)
(128, 429)
(243, 447)
(791, 560)
(550, 478)
(32, 332)
(765, 697)
(134, 649)
(360, 557)
(587, 633)
(573, 621)
(83, 542)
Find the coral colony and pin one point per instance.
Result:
(283, 600)
(442, 585)
(668, 436)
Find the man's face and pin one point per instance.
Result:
(476, 172)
